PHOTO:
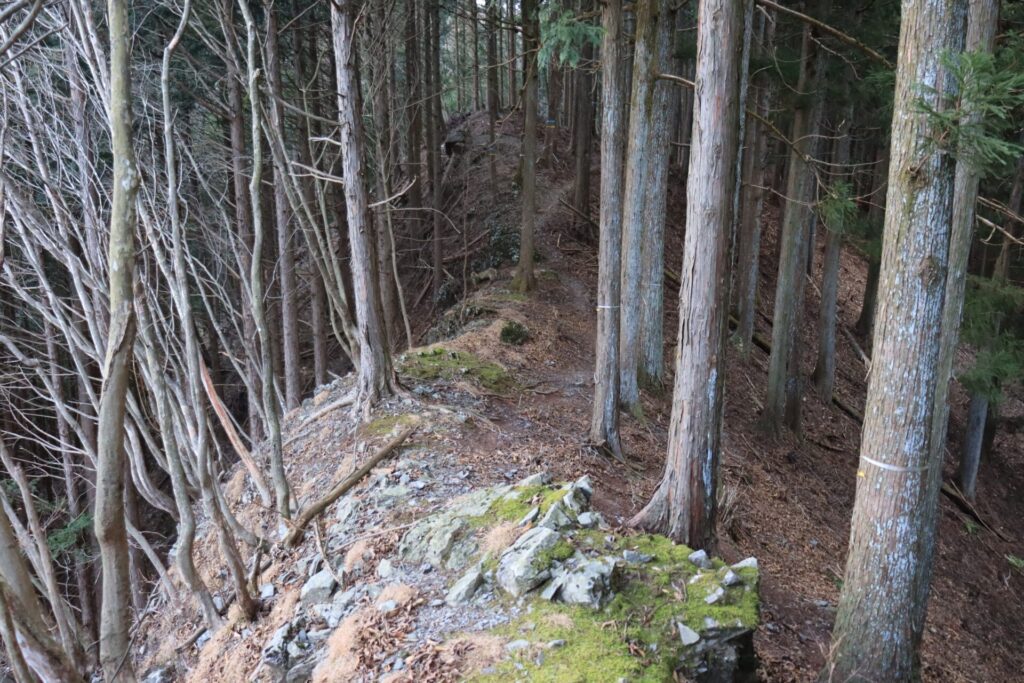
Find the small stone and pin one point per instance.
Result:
(731, 578)
(530, 517)
(267, 591)
(517, 645)
(203, 639)
(700, 558)
(555, 644)
(436, 602)
(395, 492)
(556, 518)
(588, 520)
(750, 562)
(419, 484)
(821, 603)
(385, 569)
(539, 479)
(519, 567)
(710, 623)
(426, 567)
(466, 587)
(387, 607)
(318, 588)
(714, 597)
(218, 602)
(687, 635)
(589, 584)
(634, 557)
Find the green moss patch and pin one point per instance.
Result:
(515, 505)
(383, 426)
(440, 363)
(635, 636)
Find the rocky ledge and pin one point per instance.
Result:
(519, 582)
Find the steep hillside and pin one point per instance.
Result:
(491, 413)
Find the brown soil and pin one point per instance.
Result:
(787, 501)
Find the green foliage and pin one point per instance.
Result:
(837, 209)
(67, 537)
(975, 130)
(991, 311)
(563, 36)
(514, 333)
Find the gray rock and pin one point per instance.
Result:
(750, 562)
(589, 584)
(530, 517)
(577, 498)
(388, 606)
(731, 578)
(385, 569)
(687, 635)
(267, 591)
(302, 672)
(539, 479)
(715, 596)
(432, 539)
(556, 518)
(634, 557)
(520, 567)
(555, 644)
(517, 645)
(701, 559)
(466, 587)
(318, 588)
(160, 674)
(203, 639)
(419, 484)
(394, 492)
(345, 509)
(275, 651)
(588, 519)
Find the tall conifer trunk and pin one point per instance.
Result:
(882, 607)
(684, 504)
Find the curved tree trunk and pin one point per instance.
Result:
(684, 504)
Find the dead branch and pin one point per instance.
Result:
(310, 513)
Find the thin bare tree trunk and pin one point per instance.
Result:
(271, 410)
(493, 92)
(583, 135)
(282, 225)
(604, 423)
(782, 400)
(109, 522)
(524, 279)
(643, 212)
(892, 535)
(824, 375)
(376, 376)
(684, 504)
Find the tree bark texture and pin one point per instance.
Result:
(376, 376)
(604, 424)
(643, 212)
(109, 521)
(881, 609)
(684, 504)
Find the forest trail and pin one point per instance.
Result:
(498, 412)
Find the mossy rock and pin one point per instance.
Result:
(440, 363)
(514, 333)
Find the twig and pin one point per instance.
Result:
(310, 513)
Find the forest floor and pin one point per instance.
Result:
(785, 500)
